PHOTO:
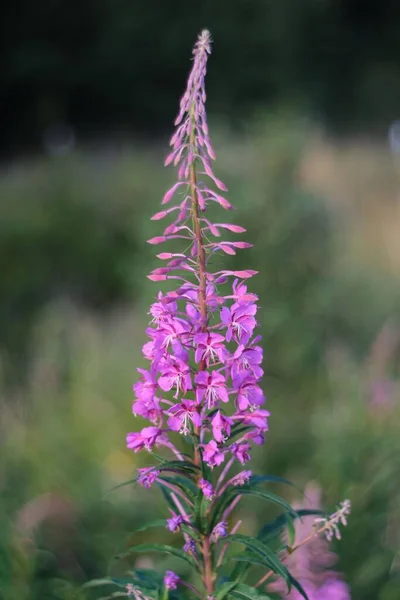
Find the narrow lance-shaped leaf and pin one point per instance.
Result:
(248, 592)
(161, 548)
(264, 552)
(224, 590)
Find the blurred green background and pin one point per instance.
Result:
(301, 98)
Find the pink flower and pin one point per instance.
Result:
(210, 347)
(211, 387)
(175, 374)
(258, 418)
(146, 387)
(247, 359)
(174, 523)
(249, 394)
(146, 438)
(206, 488)
(147, 476)
(171, 580)
(241, 452)
(221, 425)
(182, 414)
(219, 531)
(212, 454)
(241, 478)
(148, 409)
(240, 321)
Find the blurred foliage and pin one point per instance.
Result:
(73, 305)
(62, 232)
(105, 64)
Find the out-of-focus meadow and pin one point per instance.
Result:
(323, 219)
(323, 213)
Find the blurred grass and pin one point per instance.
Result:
(73, 315)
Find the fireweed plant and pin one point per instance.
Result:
(202, 388)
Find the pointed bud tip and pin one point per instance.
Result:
(154, 277)
(203, 42)
(157, 240)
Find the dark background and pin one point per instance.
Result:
(101, 65)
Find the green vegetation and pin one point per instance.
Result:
(73, 313)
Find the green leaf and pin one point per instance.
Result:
(248, 592)
(156, 523)
(182, 484)
(298, 586)
(255, 479)
(227, 498)
(120, 485)
(247, 561)
(219, 508)
(147, 577)
(160, 459)
(183, 465)
(225, 589)
(273, 498)
(262, 551)
(163, 548)
(245, 558)
(167, 496)
(291, 532)
(239, 429)
(201, 506)
(102, 581)
(282, 520)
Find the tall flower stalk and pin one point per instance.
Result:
(201, 389)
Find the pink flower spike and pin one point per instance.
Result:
(201, 343)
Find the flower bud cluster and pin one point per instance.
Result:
(330, 525)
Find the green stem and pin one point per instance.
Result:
(201, 257)
(208, 575)
(208, 567)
